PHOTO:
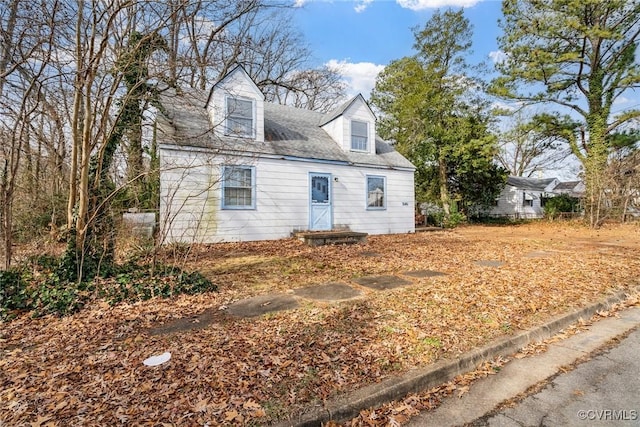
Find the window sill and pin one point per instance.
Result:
(238, 208)
(234, 135)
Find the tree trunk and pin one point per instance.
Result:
(76, 120)
(135, 165)
(6, 216)
(444, 190)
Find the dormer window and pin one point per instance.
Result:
(359, 136)
(240, 114)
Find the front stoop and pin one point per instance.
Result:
(319, 238)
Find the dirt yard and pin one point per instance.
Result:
(87, 369)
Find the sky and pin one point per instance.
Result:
(362, 36)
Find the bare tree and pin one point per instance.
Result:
(526, 148)
(256, 34)
(277, 60)
(623, 195)
(25, 53)
(76, 84)
(322, 89)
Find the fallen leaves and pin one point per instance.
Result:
(87, 368)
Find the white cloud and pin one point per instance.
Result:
(497, 56)
(361, 5)
(622, 100)
(360, 77)
(433, 4)
(299, 3)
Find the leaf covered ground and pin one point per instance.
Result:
(87, 369)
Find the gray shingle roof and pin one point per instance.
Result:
(289, 132)
(567, 185)
(531, 184)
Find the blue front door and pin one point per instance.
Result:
(320, 212)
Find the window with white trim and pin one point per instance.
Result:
(240, 115)
(359, 136)
(238, 187)
(376, 192)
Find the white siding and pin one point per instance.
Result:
(191, 211)
(335, 129)
(237, 85)
(360, 112)
(510, 203)
(340, 128)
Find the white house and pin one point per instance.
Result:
(237, 168)
(571, 188)
(524, 197)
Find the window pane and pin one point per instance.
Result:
(375, 192)
(358, 128)
(237, 196)
(358, 143)
(240, 108)
(320, 189)
(239, 177)
(240, 126)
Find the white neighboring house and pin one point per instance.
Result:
(237, 168)
(524, 197)
(571, 188)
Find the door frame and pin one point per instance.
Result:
(313, 207)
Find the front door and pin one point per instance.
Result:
(320, 214)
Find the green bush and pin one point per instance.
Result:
(454, 220)
(39, 287)
(560, 204)
(137, 284)
(60, 298)
(14, 294)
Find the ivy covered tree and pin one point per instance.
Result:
(432, 109)
(93, 253)
(578, 56)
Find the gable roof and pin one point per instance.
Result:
(567, 185)
(344, 107)
(531, 184)
(237, 68)
(289, 133)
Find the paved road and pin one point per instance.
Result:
(604, 391)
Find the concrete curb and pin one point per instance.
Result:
(349, 406)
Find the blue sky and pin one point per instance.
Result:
(364, 36)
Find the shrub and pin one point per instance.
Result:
(14, 294)
(454, 219)
(41, 286)
(560, 204)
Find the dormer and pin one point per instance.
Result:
(236, 107)
(353, 126)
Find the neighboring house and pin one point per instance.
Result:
(571, 188)
(524, 197)
(237, 168)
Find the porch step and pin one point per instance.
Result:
(319, 238)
